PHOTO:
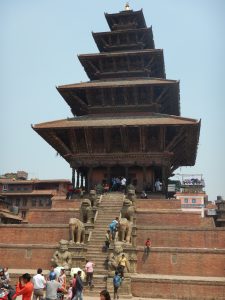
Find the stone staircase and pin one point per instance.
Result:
(109, 208)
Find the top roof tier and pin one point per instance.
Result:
(127, 19)
(128, 32)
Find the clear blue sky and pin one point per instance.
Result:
(40, 41)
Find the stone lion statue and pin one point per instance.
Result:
(86, 211)
(125, 230)
(128, 210)
(62, 257)
(77, 231)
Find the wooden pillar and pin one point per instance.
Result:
(126, 173)
(78, 179)
(164, 180)
(89, 179)
(144, 175)
(73, 177)
(82, 180)
(108, 170)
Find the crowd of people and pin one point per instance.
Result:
(193, 181)
(52, 287)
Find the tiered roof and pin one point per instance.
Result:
(127, 106)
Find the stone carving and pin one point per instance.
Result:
(128, 210)
(62, 257)
(131, 195)
(77, 231)
(86, 211)
(115, 256)
(94, 198)
(125, 230)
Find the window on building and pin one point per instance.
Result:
(185, 200)
(11, 189)
(17, 201)
(5, 187)
(18, 188)
(24, 214)
(24, 201)
(193, 200)
(41, 202)
(33, 202)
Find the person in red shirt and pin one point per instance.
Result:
(24, 287)
(148, 244)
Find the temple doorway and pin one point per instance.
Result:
(117, 171)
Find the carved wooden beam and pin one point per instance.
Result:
(104, 42)
(165, 90)
(124, 93)
(113, 96)
(102, 97)
(79, 100)
(96, 69)
(135, 93)
(73, 140)
(150, 62)
(142, 136)
(59, 143)
(107, 139)
(176, 139)
(124, 138)
(87, 133)
(162, 137)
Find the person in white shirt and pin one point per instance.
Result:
(39, 285)
(123, 184)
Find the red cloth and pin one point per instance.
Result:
(24, 290)
(74, 281)
(148, 243)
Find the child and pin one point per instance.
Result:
(148, 244)
(116, 284)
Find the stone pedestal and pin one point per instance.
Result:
(78, 252)
(124, 290)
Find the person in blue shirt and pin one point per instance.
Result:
(116, 284)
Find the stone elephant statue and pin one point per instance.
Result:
(128, 210)
(77, 231)
(125, 230)
(86, 211)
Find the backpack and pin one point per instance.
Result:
(116, 281)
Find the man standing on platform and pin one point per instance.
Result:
(123, 184)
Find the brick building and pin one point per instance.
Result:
(22, 195)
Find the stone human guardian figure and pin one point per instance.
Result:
(62, 257)
(115, 256)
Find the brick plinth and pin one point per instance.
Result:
(178, 289)
(182, 237)
(25, 256)
(157, 204)
(52, 216)
(172, 218)
(182, 261)
(33, 234)
(62, 202)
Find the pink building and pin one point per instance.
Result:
(192, 194)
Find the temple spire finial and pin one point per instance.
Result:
(127, 6)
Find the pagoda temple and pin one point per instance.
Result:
(127, 117)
